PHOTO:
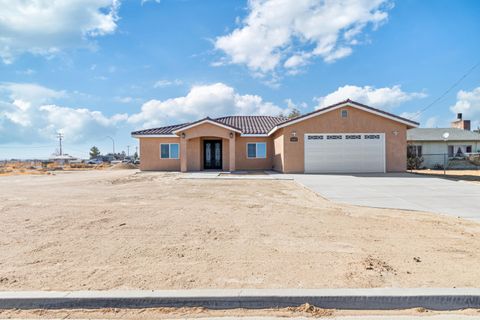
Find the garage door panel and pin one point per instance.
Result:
(345, 152)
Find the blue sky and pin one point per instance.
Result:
(97, 68)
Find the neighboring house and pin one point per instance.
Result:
(431, 144)
(344, 137)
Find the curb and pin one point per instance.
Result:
(353, 299)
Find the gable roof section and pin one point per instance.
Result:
(246, 125)
(158, 131)
(349, 103)
(206, 120)
(253, 124)
(436, 134)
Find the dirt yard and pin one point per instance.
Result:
(120, 229)
(305, 311)
(14, 168)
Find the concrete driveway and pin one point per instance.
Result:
(398, 191)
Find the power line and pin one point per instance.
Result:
(446, 92)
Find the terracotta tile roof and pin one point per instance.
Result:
(246, 124)
(261, 124)
(252, 124)
(161, 130)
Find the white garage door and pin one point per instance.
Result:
(344, 152)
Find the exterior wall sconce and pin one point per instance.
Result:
(183, 135)
(293, 134)
(395, 132)
(231, 135)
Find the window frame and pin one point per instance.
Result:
(342, 112)
(416, 150)
(170, 151)
(256, 148)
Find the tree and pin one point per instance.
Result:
(295, 113)
(94, 152)
(135, 155)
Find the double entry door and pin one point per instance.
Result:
(212, 154)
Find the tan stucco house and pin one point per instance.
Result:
(344, 137)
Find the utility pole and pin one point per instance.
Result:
(128, 151)
(113, 143)
(60, 137)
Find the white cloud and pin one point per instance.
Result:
(26, 115)
(46, 27)
(167, 83)
(31, 113)
(124, 99)
(411, 115)
(145, 1)
(468, 103)
(291, 32)
(431, 122)
(31, 92)
(206, 100)
(27, 72)
(78, 124)
(383, 98)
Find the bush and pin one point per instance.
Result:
(437, 166)
(414, 163)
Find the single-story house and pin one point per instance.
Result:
(437, 145)
(344, 137)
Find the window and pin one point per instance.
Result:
(344, 113)
(372, 136)
(334, 137)
(450, 151)
(169, 150)
(353, 136)
(315, 137)
(468, 149)
(257, 150)
(414, 151)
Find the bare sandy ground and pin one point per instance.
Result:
(193, 313)
(127, 230)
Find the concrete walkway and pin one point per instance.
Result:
(398, 191)
(354, 299)
(240, 175)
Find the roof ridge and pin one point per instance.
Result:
(251, 116)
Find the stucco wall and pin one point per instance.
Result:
(206, 130)
(282, 154)
(225, 154)
(194, 160)
(278, 156)
(357, 121)
(244, 163)
(150, 155)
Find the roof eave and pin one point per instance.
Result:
(207, 120)
(154, 136)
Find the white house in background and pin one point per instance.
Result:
(434, 148)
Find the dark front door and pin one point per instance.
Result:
(212, 154)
